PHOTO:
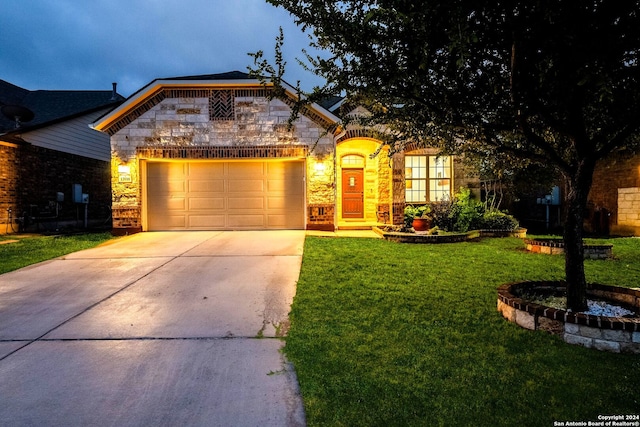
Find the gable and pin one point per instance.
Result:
(216, 88)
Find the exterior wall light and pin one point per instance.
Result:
(124, 173)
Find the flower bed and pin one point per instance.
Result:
(614, 334)
(404, 237)
(556, 246)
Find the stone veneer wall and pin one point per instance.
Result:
(397, 183)
(32, 175)
(616, 181)
(184, 118)
(629, 209)
(385, 186)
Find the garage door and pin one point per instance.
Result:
(225, 195)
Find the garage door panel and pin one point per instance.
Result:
(172, 204)
(284, 169)
(206, 221)
(284, 221)
(168, 222)
(290, 189)
(242, 169)
(167, 187)
(177, 204)
(206, 170)
(206, 203)
(244, 202)
(218, 195)
(246, 185)
(166, 170)
(246, 221)
(283, 203)
(201, 186)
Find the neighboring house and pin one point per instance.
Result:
(46, 147)
(614, 200)
(214, 152)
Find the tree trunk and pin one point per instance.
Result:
(576, 198)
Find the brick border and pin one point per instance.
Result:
(400, 237)
(614, 334)
(556, 247)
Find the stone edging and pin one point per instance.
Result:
(556, 247)
(614, 334)
(399, 237)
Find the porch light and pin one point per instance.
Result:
(319, 167)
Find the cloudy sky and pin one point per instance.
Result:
(88, 44)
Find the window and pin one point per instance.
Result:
(427, 178)
(353, 161)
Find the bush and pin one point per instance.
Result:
(498, 220)
(445, 214)
(470, 217)
(462, 213)
(469, 212)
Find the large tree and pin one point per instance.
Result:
(554, 82)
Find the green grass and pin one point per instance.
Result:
(30, 250)
(387, 334)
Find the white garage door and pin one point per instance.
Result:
(216, 195)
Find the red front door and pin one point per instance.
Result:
(352, 193)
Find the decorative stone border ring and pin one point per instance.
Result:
(614, 334)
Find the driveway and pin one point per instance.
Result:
(155, 329)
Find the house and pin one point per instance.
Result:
(614, 199)
(215, 152)
(46, 147)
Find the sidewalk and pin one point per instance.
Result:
(345, 233)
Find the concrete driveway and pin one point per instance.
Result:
(155, 329)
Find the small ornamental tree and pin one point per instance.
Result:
(553, 82)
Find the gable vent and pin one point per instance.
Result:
(221, 105)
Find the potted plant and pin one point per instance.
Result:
(418, 217)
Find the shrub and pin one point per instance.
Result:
(445, 214)
(498, 220)
(470, 212)
(462, 213)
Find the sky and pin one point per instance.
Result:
(88, 44)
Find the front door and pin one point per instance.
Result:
(352, 193)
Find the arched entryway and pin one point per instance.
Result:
(363, 184)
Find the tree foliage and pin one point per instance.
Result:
(552, 82)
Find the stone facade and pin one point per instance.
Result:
(195, 123)
(238, 119)
(629, 208)
(614, 200)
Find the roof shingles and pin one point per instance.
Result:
(51, 106)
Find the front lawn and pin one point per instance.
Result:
(33, 249)
(388, 334)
